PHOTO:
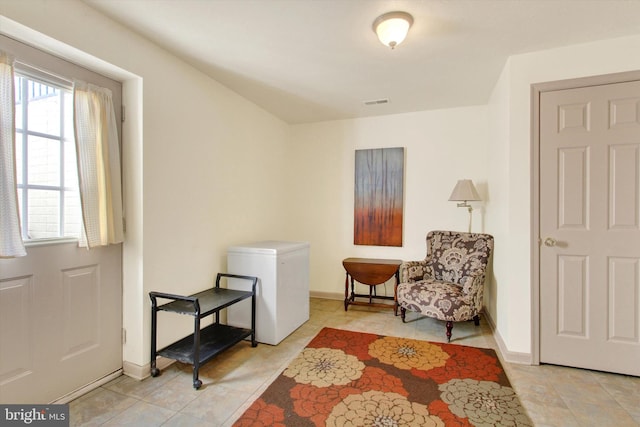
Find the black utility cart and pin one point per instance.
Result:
(204, 344)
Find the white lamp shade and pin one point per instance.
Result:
(392, 27)
(464, 191)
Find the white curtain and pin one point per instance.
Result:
(98, 165)
(11, 244)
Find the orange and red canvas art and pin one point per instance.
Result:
(378, 211)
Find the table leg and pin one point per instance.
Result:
(346, 292)
(353, 290)
(395, 294)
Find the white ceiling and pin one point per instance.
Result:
(316, 60)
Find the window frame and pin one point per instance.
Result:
(40, 65)
(25, 133)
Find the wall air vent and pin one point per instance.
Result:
(376, 101)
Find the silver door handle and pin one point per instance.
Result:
(550, 241)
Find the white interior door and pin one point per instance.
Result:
(60, 321)
(590, 227)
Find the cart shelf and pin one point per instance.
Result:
(206, 343)
(214, 339)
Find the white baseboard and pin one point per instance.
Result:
(141, 372)
(89, 387)
(327, 295)
(508, 356)
(130, 369)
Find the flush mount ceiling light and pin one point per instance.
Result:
(392, 27)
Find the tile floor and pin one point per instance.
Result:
(553, 396)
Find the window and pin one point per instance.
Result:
(46, 170)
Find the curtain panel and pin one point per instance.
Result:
(11, 244)
(98, 155)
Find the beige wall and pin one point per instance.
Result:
(440, 147)
(228, 172)
(497, 205)
(204, 168)
(510, 110)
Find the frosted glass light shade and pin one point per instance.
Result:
(464, 191)
(392, 27)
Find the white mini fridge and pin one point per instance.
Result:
(282, 294)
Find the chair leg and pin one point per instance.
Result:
(476, 320)
(449, 328)
(403, 313)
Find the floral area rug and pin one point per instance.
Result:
(345, 378)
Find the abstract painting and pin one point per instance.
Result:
(379, 176)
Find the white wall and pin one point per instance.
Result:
(510, 108)
(204, 168)
(440, 147)
(227, 172)
(497, 289)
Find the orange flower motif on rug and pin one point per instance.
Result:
(345, 378)
(464, 362)
(407, 354)
(262, 414)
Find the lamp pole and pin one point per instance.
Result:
(470, 209)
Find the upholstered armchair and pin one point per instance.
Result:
(449, 283)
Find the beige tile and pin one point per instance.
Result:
(215, 404)
(546, 416)
(588, 393)
(139, 389)
(174, 394)
(624, 389)
(563, 375)
(604, 414)
(244, 377)
(142, 414)
(183, 420)
(98, 407)
(539, 393)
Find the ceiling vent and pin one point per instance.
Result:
(377, 101)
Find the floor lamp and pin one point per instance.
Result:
(464, 192)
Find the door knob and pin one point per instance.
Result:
(550, 241)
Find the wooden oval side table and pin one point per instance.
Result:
(372, 272)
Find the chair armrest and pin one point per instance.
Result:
(411, 271)
(473, 283)
(473, 290)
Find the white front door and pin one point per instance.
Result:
(590, 227)
(60, 321)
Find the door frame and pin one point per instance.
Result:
(536, 90)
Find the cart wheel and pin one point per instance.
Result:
(155, 372)
(197, 384)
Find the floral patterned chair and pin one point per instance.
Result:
(449, 283)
